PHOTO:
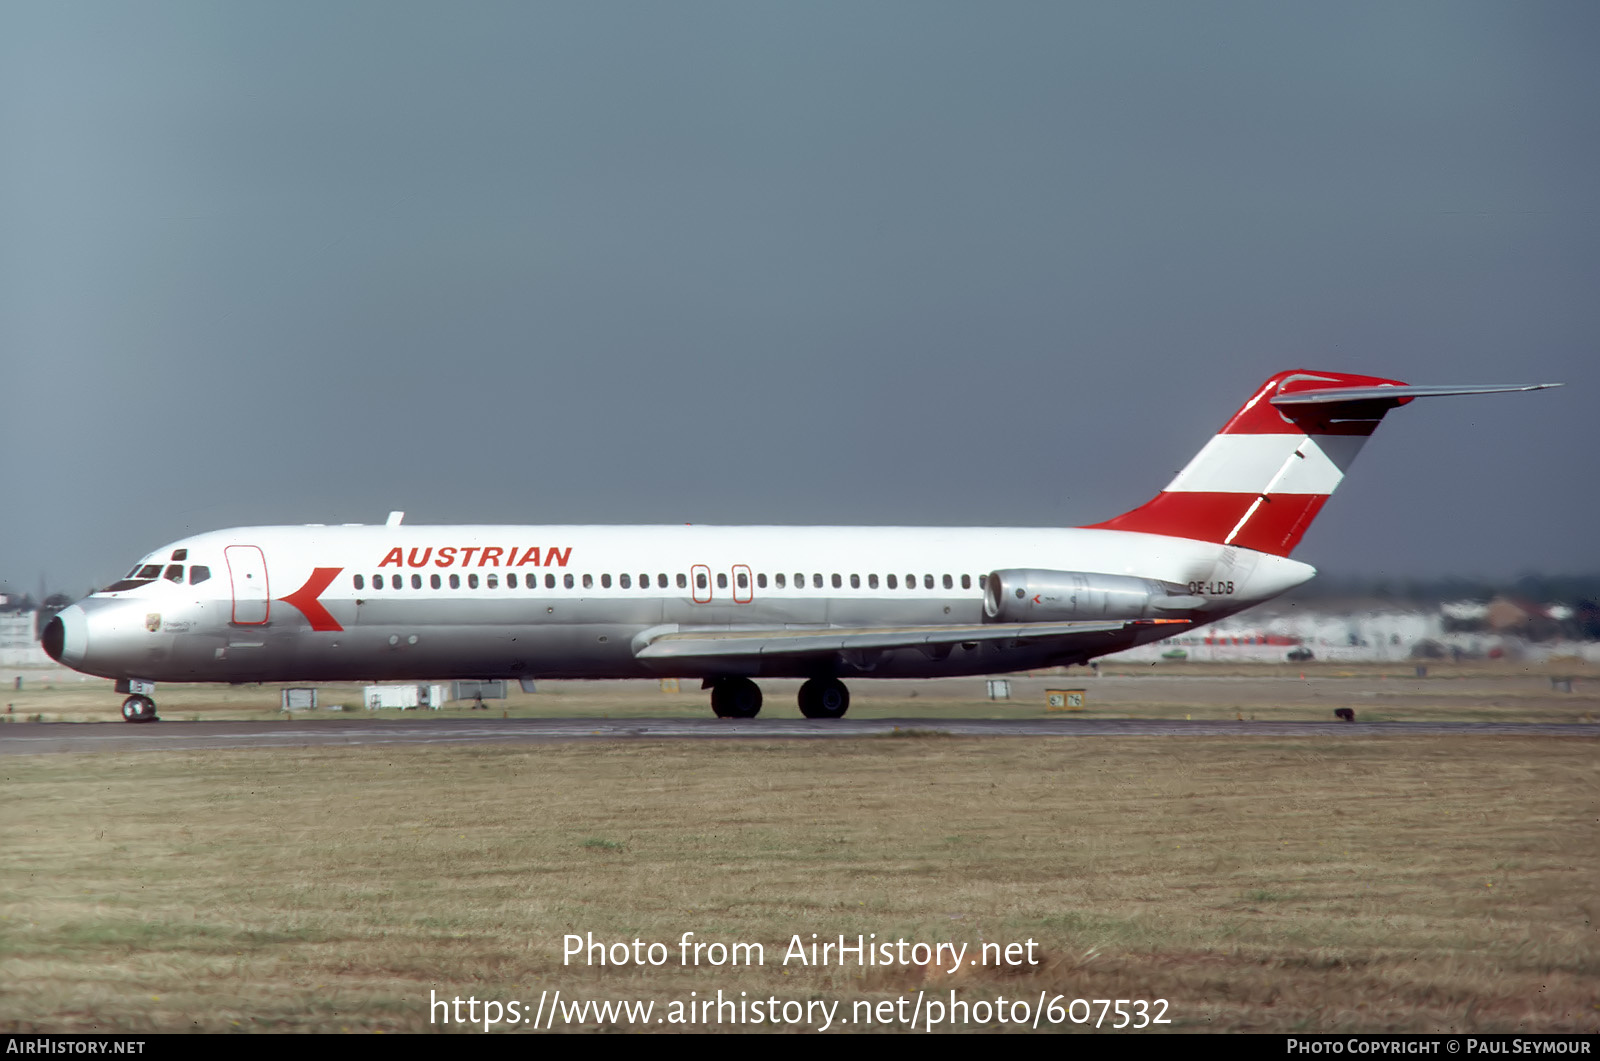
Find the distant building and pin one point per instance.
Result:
(19, 643)
(1268, 634)
(1506, 615)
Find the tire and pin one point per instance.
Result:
(138, 709)
(736, 698)
(824, 698)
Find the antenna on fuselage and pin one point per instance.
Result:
(394, 519)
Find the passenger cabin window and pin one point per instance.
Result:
(416, 581)
(742, 580)
(492, 581)
(511, 581)
(911, 582)
(966, 581)
(779, 579)
(455, 581)
(761, 581)
(174, 573)
(394, 581)
(661, 581)
(683, 583)
(605, 581)
(566, 580)
(855, 581)
(722, 580)
(894, 583)
(377, 581)
(588, 582)
(799, 580)
(550, 582)
(472, 581)
(836, 581)
(360, 582)
(434, 581)
(700, 580)
(816, 581)
(872, 581)
(624, 581)
(983, 581)
(948, 584)
(927, 581)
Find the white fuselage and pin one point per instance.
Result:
(324, 603)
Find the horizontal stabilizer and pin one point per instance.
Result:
(1367, 394)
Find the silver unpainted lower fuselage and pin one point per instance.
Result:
(526, 637)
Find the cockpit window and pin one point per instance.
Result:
(174, 573)
(180, 554)
(198, 573)
(143, 575)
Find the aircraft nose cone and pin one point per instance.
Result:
(66, 636)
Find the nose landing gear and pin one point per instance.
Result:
(139, 708)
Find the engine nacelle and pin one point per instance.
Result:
(1029, 595)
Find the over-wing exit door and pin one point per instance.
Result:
(700, 583)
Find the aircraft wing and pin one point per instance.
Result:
(674, 643)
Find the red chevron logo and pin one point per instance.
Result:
(305, 598)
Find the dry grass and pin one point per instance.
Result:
(1405, 884)
(1482, 691)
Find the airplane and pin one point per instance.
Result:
(729, 605)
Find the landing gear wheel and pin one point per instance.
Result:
(824, 698)
(735, 698)
(138, 709)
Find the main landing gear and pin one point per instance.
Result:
(741, 698)
(824, 698)
(735, 698)
(139, 708)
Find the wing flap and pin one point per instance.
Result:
(783, 641)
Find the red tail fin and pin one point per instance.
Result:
(1263, 478)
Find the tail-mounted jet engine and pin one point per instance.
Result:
(1024, 595)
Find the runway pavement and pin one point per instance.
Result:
(38, 737)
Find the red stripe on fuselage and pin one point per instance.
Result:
(1276, 526)
(305, 598)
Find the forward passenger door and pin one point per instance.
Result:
(247, 570)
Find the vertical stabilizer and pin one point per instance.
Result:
(1263, 478)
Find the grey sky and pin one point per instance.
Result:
(785, 263)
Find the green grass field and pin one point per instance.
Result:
(1256, 884)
